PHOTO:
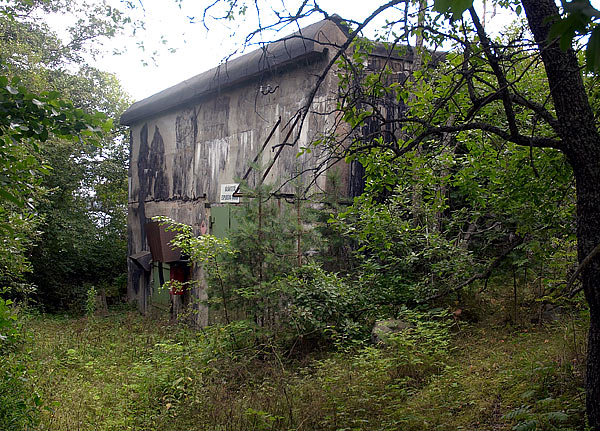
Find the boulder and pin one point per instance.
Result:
(384, 328)
(548, 313)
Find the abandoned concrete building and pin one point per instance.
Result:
(191, 144)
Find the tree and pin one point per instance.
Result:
(28, 120)
(479, 91)
(75, 187)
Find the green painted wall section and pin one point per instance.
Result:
(160, 296)
(223, 220)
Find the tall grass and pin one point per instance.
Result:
(127, 372)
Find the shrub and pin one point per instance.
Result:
(322, 304)
(19, 406)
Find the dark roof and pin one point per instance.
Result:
(291, 49)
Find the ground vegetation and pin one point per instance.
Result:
(129, 372)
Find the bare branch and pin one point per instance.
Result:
(580, 268)
(481, 275)
(311, 97)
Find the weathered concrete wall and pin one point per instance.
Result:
(180, 159)
(187, 154)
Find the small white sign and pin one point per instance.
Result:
(227, 191)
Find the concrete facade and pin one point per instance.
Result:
(190, 139)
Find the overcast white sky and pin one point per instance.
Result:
(196, 49)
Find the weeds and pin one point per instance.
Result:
(129, 372)
(19, 406)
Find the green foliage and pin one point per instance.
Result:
(457, 8)
(543, 405)
(29, 117)
(62, 163)
(264, 248)
(28, 120)
(401, 263)
(321, 304)
(19, 406)
(580, 18)
(253, 274)
(84, 228)
(61, 154)
(366, 389)
(442, 210)
(264, 244)
(206, 250)
(10, 331)
(129, 371)
(424, 347)
(203, 249)
(90, 301)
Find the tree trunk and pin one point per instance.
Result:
(581, 145)
(588, 236)
(418, 211)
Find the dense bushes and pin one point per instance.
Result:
(321, 304)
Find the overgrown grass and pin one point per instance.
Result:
(129, 372)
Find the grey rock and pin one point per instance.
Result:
(384, 328)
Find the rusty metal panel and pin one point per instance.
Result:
(159, 242)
